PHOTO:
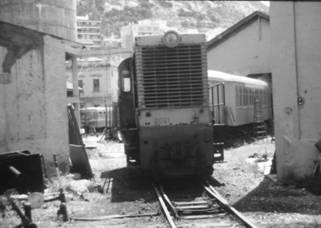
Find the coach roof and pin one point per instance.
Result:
(222, 76)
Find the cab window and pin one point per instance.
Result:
(126, 84)
(125, 81)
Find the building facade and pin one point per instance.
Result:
(244, 48)
(296, 58)
(98, 81)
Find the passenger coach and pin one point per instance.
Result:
(238, 100)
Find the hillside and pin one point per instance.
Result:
(203, 16)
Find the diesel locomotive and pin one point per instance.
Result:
(164, 114)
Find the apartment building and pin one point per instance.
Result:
(88, 32)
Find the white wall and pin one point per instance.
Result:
(296, 70)
(245, 52)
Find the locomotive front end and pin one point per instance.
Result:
(175, 137)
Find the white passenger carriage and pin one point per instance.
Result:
(97, 117)
(238, 100)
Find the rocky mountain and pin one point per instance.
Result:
(207, 17)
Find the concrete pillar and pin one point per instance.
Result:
(296, 71)
(53, 17)
(33, 113)
(56, 120)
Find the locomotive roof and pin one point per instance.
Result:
(157, 39)
(222, 76)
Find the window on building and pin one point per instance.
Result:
(96, 85)
(96, 75)
(81, 85)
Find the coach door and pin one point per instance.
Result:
(217, 103)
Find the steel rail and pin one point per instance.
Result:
(172, 207)
(227, 206)
(115, 216)
(164, 207)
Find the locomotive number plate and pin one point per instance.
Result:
(162, 121)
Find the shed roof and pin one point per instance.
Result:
(236, 28)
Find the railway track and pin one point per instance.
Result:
(197, 204)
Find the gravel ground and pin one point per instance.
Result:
(265, 202)
(241, 180)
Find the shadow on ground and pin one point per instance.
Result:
(274, 197)
(130, 184)
(234, 137)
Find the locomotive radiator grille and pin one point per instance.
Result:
(171, 77)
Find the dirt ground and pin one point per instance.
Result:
(241, 180)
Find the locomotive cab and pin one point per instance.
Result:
(127, 112)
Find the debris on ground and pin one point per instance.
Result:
(243, 179)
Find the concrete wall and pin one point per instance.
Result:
(33, 113)
(296, 68)
(56, 17)
(245, 52)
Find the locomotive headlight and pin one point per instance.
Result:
(171, 39)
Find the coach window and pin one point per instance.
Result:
(237, 95)
(252, 96)
(96, 86)
(257, 94)
(238, 102)
(261, 96)
(243, 96)
(246, 96)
